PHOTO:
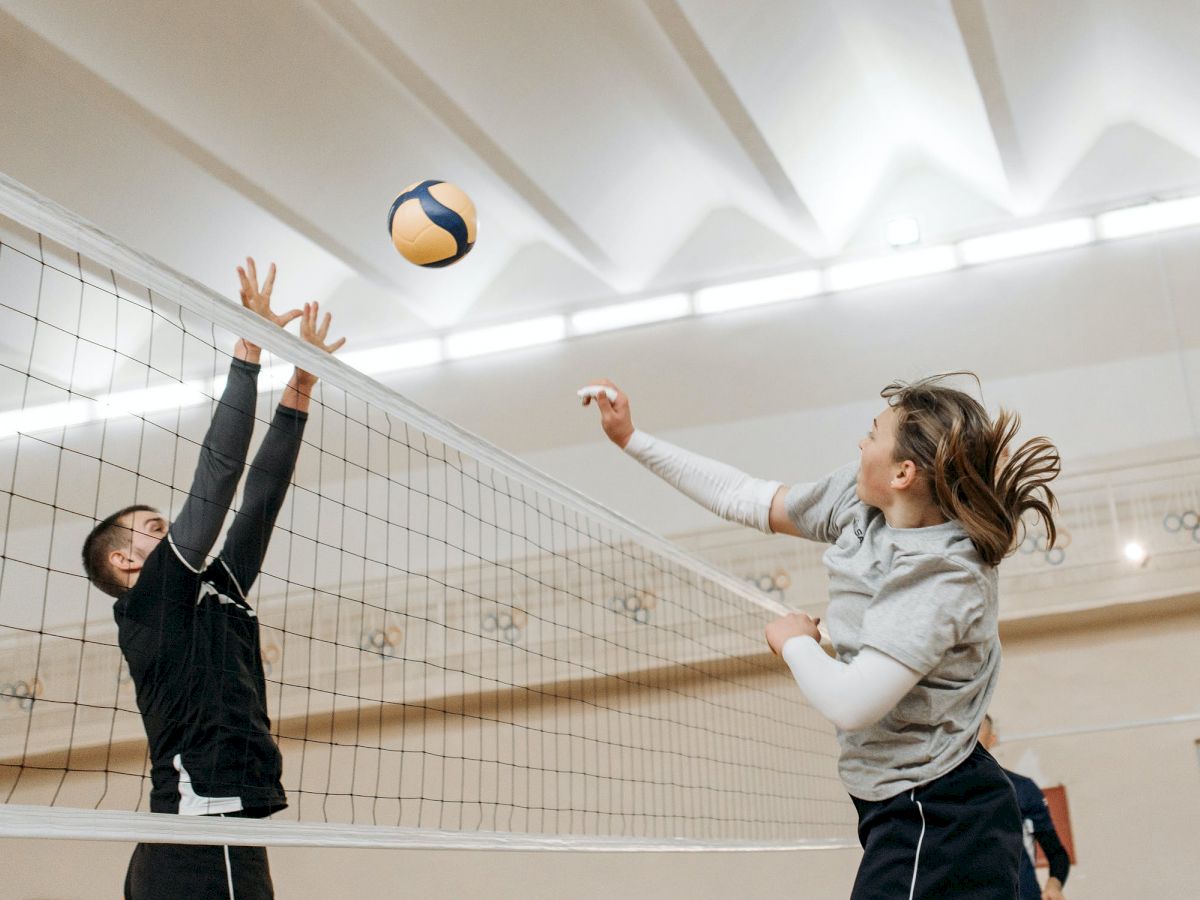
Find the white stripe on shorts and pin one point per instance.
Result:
(228, 867)
(912, 795)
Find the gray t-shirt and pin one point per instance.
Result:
(924, 597)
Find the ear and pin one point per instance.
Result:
(904, 475)
(122, 561)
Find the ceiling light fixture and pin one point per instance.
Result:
(528, 333)
(408, 355)
(903, 231)
(624, 315)
(1148, 218)
(1119, 223)
(1135, 553)
(1028, 241)
(760, 291)
(141, 401)
(49, 416)
(908, 264)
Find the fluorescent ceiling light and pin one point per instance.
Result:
(154, 399)
(623, 315)
(424, 352)
(80, 410)
(1149, 217)
(903, 231)
(43, 418)
(725, 297)
(1027, 241)
(505, 337)
(908, 264)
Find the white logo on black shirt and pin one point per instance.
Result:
(207, 589)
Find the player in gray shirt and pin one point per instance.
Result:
(916, 529)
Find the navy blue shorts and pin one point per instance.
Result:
(958, 836)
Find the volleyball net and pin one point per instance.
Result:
(458, 650)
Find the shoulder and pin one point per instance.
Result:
(909, 564)
(1025, 786)
(821, 508)
(837, 484)
(944, 552)
(164, 578)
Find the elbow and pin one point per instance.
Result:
(856, 717)
(844, 723)
(854, 720)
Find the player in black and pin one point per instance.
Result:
(1036, 826)
(189, 634)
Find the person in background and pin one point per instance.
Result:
(1036, 826)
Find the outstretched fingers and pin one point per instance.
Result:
(269, 284)
(246, 292)
(316, 334)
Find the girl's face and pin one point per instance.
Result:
(877, 465)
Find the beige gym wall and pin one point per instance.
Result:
(1134, 793)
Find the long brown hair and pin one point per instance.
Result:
(961, 451)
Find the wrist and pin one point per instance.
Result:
(795, 644)
(246, 351)
(634, 442)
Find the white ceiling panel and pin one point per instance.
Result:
(612, 148)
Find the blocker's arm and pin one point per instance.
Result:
(222, 458)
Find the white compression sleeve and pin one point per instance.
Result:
(722, 489)
(850, 695)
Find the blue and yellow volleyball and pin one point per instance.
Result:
(432, 223)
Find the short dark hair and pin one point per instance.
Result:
(987, 717)
(103, 540)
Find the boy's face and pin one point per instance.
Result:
(146, 529)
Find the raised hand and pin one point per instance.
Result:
(316, 334)
(792, 625)
(257, 299)
(615, 416)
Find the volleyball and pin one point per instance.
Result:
(432, 223)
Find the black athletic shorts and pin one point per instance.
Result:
(958, 836)
(198, 872)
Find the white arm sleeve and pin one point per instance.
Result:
(853, 695)
(722, 489)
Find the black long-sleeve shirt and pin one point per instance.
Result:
(189, 634)
(1038, 826)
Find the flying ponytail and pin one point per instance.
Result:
(974, 477)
